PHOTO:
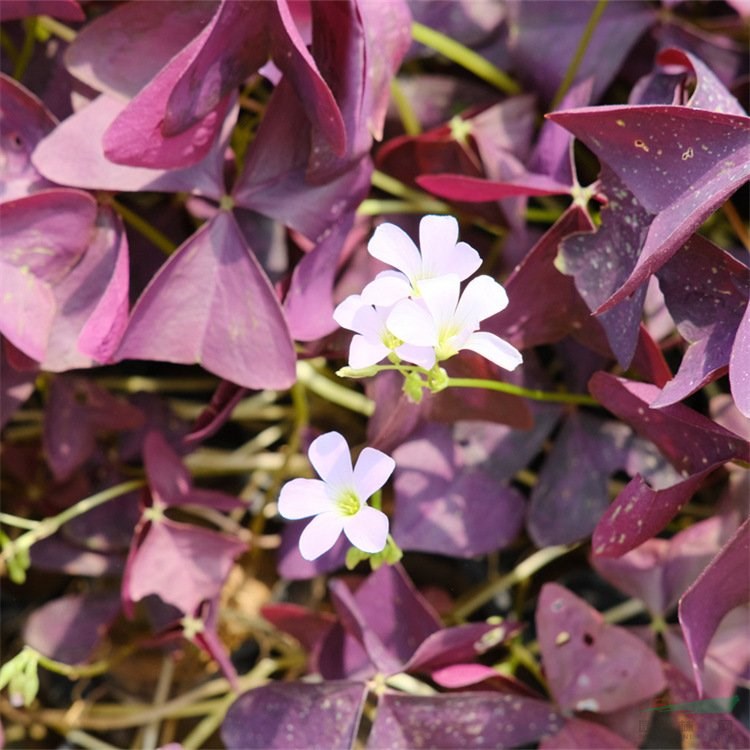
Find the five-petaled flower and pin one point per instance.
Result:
(442, 319)
(439, 253)
(338, 500)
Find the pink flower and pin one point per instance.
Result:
(338, 501)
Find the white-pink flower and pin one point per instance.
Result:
(373, 341)
(338, 500)
(439, 253)
(448, 321)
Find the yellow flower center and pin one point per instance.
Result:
(391, 341)
(349, 503)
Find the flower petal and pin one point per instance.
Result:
(437, 239)
(440, 295)
(347, 309)
(495, 349)
(302, 498)
(371, 472)
(320, 534)
(424, 356)
(482, 298)
(367, 530)
(387, 288)
(364, 352)
(330, 457)
(393, 246)
(412, 323)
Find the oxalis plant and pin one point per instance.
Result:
(374, 374)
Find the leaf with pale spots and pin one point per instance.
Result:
(590, 665)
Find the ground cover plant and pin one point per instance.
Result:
(374, 374)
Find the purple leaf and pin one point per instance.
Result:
(182, 564)
(679, 162)
(456, 645)
(170, 483)
(291, 715)
(67, 10)
(705, 730)
(24, 121)
(571, 492)
(70, 628)
(476, 190)
(120, 51)
(546, 35)
(706, 291)
(62, 220)
(723, 585)
(532, 318)
(136, 136)
(179, 319)
(73, 154)
(659, 570)
(690, 441)
(387, 615)
(62, 556)
(280, 187)
(226, 396)
(446, 506)
(584, 735)
(77, 411)
(592, 666)
(474, 719)
(16, 385)
(739, 365)
(601, 261)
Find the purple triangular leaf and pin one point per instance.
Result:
(706, 730)
(706, 291)
(136, 136)
(78, 409)
(601, 261)
(723, 585)
(476, 190)
(73, 154)
(592, 666)
(478, 719)
(179, 319)
(70, 628)
(387, 615)
(182, 564)
(120, 51)
(585, 735)
(67, 10)
(739, 365)
(43, 236)
(291, 715)
(24, 121)
(446, 507)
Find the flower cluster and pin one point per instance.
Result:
(417, 313)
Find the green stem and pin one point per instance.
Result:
(58, 29)
(405, 110)
(463, 56)
(143, 227)
(17, 522)
(577, 59)
(51, 525)
(525, 569)
(27, 48)
(332, 392)
(516, 390)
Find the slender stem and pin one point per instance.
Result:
(84, 740)
(27, 48)
(526, 568)
(17, 522)
(51, 525)
(143, 227)
(516, 390)
(580, 53)
(624, 611)
(331, 391)
(150, 738)
(463, 56)
(395, 187)
(406, 112)
(58, 29)
(377, 207)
